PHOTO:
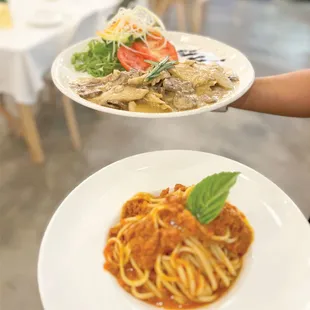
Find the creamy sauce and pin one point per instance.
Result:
(145, 108)
(190, 87)
(221, 93)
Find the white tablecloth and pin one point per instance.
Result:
(27, 52)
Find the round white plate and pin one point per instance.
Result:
(276, 273)
(63, 72)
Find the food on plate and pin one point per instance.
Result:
(134, 68)
(130, 38)
(181, 249)
(166, 86)
(98, 60)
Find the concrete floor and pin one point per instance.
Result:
(276, 37)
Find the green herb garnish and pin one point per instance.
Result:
(158, 67)
(99, 60)
(208, 197)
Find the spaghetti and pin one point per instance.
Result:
(162, 254)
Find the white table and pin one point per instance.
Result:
(27, 52)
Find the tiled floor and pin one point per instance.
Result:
(276, 37)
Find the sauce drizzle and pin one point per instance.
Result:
(199, 56)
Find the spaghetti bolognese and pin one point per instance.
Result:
(162, 254)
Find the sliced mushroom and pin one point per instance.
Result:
(185, 102)
(114, 104)
(127, 94)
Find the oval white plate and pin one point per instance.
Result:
(276, 273)
(63, 72)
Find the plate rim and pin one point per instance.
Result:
(297, 211)
(226, 102)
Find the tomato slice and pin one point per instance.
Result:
(157, 48)
(132, 60)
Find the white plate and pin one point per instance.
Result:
(276, 273)
(63, 72)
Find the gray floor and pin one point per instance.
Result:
(276, 37)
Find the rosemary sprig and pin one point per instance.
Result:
(158, 67)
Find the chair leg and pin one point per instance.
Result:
(71, 122)
(52, 93)
(198, 13)
(160, 7)
(152, 5)
(12, 121)
(31, 133)
(181, 15)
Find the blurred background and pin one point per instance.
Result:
(48, 144)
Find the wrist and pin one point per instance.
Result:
(242, 102)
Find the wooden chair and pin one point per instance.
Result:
(25, 126)
(12, 121)
(68, 106)
(80, 32)
(197, 10)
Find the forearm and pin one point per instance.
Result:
(286, 94)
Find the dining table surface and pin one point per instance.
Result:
(36, 32)
(28, 48)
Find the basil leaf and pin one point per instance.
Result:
(208, 197)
